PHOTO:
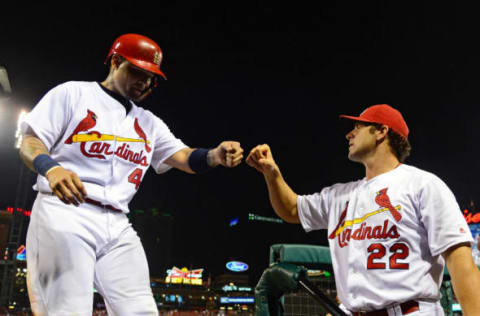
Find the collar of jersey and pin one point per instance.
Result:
(366, 182)
(123, 101)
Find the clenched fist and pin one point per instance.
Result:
(261, 159)
(228, 154)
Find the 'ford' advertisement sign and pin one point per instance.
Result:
(237, 266)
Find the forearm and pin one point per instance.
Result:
(466, 290)
(465, 279)
(201, 160)
(282, 198)
(179, 160)
(31, 147)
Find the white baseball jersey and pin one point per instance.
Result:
(386, 235)
(89, 132)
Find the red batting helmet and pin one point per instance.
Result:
(140, 51)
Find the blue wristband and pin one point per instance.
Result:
(42, 163)
(198, 160)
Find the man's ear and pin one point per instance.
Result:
(382, 133)
(116, 61)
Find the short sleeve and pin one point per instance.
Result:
(166, 144)
(49, 118)
(442, 217)
(313, 210)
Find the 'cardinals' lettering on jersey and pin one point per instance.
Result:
(386, 235)
(89, 132)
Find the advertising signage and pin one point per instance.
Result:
(184, 276)
(237, 300)
(471, 217)
(21, 253)
(473, 221)
(234, 288)
(237, 266)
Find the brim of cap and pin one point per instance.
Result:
(150, 67)
(356, 118)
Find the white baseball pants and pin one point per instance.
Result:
(72, 249)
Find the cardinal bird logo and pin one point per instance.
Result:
(141, 134)
(87, 123)
(383, 200)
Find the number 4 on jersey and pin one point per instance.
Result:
(136, 177)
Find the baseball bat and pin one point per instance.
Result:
(320, 297)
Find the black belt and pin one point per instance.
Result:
(93, 202)
(406, 307)
(99, 204)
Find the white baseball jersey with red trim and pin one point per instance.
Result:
(386, 235)
(89, 132)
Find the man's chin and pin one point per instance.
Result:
(352, 157)
(134, 96)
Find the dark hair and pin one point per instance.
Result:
(400, 145)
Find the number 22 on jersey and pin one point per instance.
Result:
(398, 251)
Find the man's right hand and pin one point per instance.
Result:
(282, 197)
(261, 159)
(66, 185)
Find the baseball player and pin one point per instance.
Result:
(389, 233)
(91, 146)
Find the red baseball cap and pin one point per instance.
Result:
(383, 114)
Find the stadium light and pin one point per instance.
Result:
(18, 132)
(4, 82)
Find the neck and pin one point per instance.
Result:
(379, 163)
(117, 96)
(108, 84)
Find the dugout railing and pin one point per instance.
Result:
(299, 281)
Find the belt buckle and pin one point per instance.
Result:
(362, 313)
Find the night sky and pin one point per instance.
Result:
(262, 73)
